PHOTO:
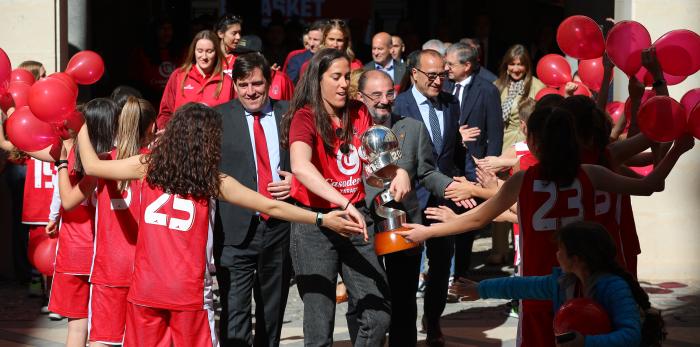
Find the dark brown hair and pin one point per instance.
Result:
(593, 126)
(552, 133)
(308, 92)
(185, 159)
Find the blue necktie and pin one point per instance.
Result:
(435, 127)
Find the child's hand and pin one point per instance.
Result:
(465, 289)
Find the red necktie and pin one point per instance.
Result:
(263, 158)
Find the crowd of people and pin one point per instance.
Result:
(249, 174)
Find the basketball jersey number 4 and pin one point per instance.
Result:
(540, 219)
(152, 216)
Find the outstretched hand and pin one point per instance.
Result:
(416, 232)
(340, 222)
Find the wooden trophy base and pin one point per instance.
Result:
(386, 242)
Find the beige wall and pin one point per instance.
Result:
(31, 30)
(667, 222)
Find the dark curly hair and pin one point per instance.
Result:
(185, 160)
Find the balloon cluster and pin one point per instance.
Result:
(661, 118)
(45, 108)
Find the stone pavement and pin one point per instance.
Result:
(479, 323)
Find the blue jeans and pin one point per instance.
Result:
(318, 256)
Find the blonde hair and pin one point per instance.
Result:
(32, 66)
(340, 25)
(354, 86)
(134, 121)
(526, 109)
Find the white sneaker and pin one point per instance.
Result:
(45, 309)
(55, 316)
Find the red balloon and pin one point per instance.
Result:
(616, 109)
(5, 71)
(27, 132)
(678, 52)
(690, 99)
(86, 67)
(645, 77)
(545, 91)
(625, 43)
(580, 37)
(581, 90)
(694, 121)
(554, 70)
(22, 75)
(582, 315)
(67, 80)
(6, 101)
(50, 100)
(42, 251)
(662, 119)
(19, 91)
(628, 103)
(591, 73)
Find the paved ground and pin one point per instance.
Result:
(480, 323)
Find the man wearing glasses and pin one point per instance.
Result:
(376, 91)
(440, 112)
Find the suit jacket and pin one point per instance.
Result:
(405, 105)
(481, 107)
(399, 70)
(418, 160)
(237, 161)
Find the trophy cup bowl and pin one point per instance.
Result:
(380, 149)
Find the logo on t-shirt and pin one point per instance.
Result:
(348, 163)
(188, 87)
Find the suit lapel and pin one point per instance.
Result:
(241, 127)
(468, 101)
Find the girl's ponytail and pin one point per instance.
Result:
(136, 116)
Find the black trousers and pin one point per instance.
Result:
(261, 266)
(402, 270)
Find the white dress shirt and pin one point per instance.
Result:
(422, 102)
(464, 85)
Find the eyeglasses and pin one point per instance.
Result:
(432, 76)
(376, 96)
(232, 18)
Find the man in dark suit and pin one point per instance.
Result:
(479, 70)
(382, 59)
(480, 108)
(315, 35)
(439, 112)
(254, 253)
(402, 268)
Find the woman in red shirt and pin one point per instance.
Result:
(200, 79)
(336, 34)
(322, 130)
(229, 31)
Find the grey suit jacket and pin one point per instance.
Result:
(399, 70)
(238, 162)
(418, 160)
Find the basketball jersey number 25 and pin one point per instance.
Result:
(157, 213)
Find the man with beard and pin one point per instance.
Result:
(376, 91)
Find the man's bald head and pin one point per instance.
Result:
(372, 75)
(381, 48)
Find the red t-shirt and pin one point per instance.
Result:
(38, 191)
(230, 59)
(116, 233)
(197, 88)
(173, 255)
(281, 86)
(342, 171)
(77, 231)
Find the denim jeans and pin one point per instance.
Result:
(318, 256)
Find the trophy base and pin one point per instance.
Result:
(386, 242)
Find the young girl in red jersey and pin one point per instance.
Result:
(228, 29)
(200, 79)
(170, 298)
(555, 192)
(70, 292)
(118, 206)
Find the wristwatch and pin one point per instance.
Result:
(319, 219)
